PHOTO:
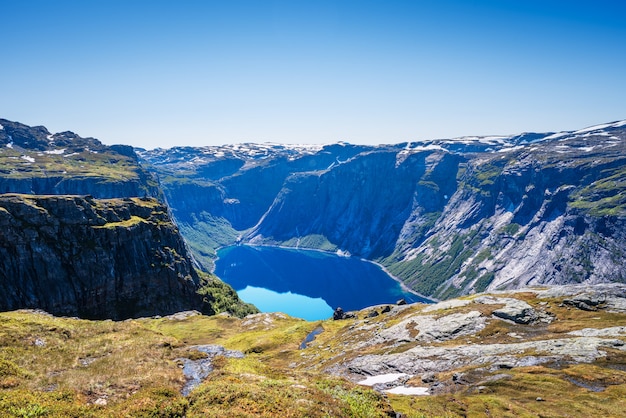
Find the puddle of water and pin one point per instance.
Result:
(594, 387)
(309, 338)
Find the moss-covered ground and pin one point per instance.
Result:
(67, 367)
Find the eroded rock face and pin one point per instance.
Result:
(427, 328)
(514, 310)
(609, 296)
(79, 256)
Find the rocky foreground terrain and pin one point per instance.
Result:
(537, 352)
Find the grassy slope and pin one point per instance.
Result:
(111, 166)
(66, 367)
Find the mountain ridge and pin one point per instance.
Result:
(394, 203)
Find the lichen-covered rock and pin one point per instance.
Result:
(514, 310)
(427, 328)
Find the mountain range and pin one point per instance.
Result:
(111, 232)
(447, 217)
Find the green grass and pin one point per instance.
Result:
(605, 196)
(316, 241)
(223, 298)
(109, 166)
(64, 367)
(205, 234)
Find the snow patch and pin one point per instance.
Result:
(382, 378)
(409, 390)
(1, 127)
(557, 135)
(27, 158)
(55, 151)
(594, 128)
(509, 149)
(619, 124)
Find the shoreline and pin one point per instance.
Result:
(403, 286)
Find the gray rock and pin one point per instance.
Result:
(372, 314)
(447, 304)
(430, 328)
(429, 377)
(514, 310)
(420, 360)
(603, 332)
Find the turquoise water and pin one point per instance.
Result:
(305, 283)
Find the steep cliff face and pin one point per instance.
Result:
(92, 258)
(448, 217)
(216, 193)
(68, 248)
(360, 205)
(550, 213)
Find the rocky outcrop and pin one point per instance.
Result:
(34, 161)
(462, 344)
(421, 360)
(79, 256)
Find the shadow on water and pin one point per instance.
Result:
(348, 282)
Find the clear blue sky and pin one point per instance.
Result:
(156, 73)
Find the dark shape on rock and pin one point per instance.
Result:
(338, 314)
(401, 302)
(386, 309)
(586, 302)
(517, 311)
(459, 378)
(429, 377)
(373, 313)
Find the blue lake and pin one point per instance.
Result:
(305, 283)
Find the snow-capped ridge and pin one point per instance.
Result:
(595, 130)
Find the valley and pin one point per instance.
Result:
(447, 217)
(111, 306)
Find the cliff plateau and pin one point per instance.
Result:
(84, 232)
(77, 256)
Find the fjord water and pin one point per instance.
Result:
(306, 284)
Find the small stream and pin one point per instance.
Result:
(196, 371)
